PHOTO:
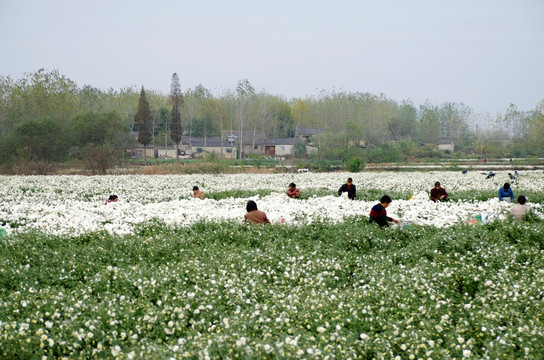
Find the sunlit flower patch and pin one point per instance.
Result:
(73, 205)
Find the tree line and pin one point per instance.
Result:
(45, 117)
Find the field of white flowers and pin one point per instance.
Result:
(159, 275)
(71, 205)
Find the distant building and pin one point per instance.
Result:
(213, 144)
(446, 145)
(395, 139)
(226, 146)
(279, 147)
(305, 134)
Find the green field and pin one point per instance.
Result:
(319, 291)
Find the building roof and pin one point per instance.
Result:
(212, 141)
(445, 141)
(249, 135)
(215, 141)
(309, 131)
(285, 141)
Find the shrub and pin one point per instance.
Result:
(355, 164)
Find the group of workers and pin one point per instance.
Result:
(505, 193)
(378, 213)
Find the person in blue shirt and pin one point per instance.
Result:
(506, 193)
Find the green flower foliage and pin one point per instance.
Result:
(227, 290)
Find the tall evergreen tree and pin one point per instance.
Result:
(176, 97)
(144, 119)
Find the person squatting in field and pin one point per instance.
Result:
(438, 193)
(293, 191)
(521, 208)
(112, 198)
(253, 215)
(506, 193)
(198, 194)
(348, 187)
(378, 214)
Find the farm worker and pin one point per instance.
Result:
(3, 233)
(438, 193)
(506, 193)
(521, 208)
(293, 191)
(512, 177)
(348, 187)
(112, 198)
(198, 193)
(253, 215)
(378, 214)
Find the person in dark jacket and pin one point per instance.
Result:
(438, 193)
(348, 187)
(378, 214)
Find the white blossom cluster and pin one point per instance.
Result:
(72, 205)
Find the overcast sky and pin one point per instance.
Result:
(484, 53)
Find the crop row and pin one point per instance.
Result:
(225, 290)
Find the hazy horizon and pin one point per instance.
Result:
(486, 54)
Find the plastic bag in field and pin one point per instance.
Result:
(480, 219)
(406, 224)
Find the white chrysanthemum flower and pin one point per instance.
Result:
(116, 350)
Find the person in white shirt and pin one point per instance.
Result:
(521, 208)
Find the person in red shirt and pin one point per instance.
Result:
(348, 187)
(438, 193)
(253, 215)
(293, 191)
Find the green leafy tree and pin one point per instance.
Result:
(428, 125)
(98, 129)
(536, 134)
(300, 112)
(284, 124)
(98, 138)
(353, 133)
(143, 119)
(37, 95)
(176, 97)
(41, 141)
(355, 164)
(300, 149)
